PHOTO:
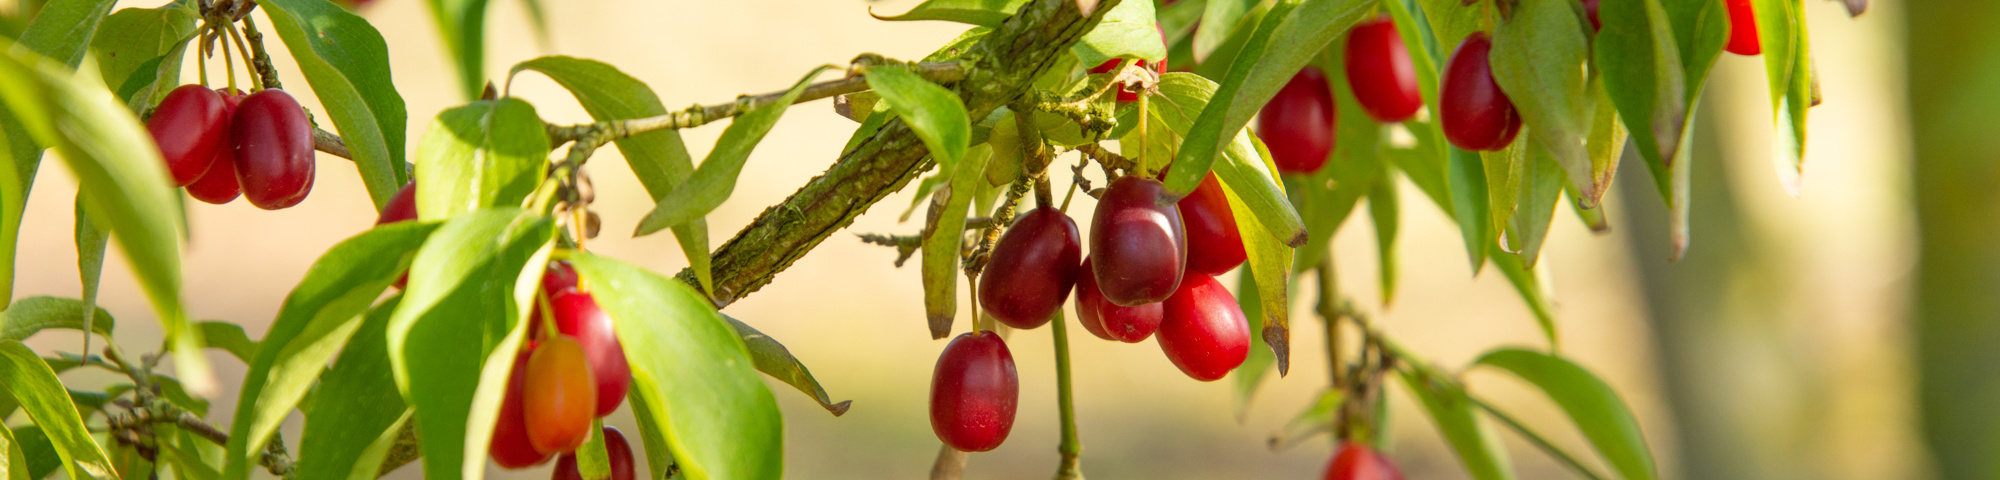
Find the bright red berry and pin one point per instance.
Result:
(1743, 29)
(1140, 245)
(189, 126)
(1358, 462)
(1204, 331)
(274, 150)
(974, 392)
(1214, 246)
(1379, 69)
(1297, 125)
(1475, 114)
(1109, 321)
(577, 316)
(510, 446)
(614, 447)
(558, 277)
(561, 396)
(218, 185)
(1031, 269)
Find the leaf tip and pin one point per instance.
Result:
(1279, 339)
(839, 409)
(1298, 238)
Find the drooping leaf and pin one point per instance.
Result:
(1588, 401)
(40, 455)
(1642, 76)
(652, 436)
(41, 395)
(775, 360)
(13, 462)
(943, 239)
(1245, 167)
(492, 153)
(1325, 198)
(462, 26)
(715, 179)
(1540, 189)
(1129, 30)
(317, 318)
(60, 32)
(230, 338)
(1505, 172)
(1270, 262)
(347, 64)
(1426, 159)
(1450, 21)
(1781, 31)
(659, 158)
(985, 13)
(1385, 209)
(341, 427)
(934, 113)
(1538, 58)
(591, 459)
(1453, 412)
(1469, 204)
(677, 343)
(30, 315)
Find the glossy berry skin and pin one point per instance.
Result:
(558, 277)
(1379, 69)
(1140, 246)
(577, 316)
(561, 396)
(1742, 29)
(402, 206)
(189, 126)
(1590, 10)
(1032, 268)
(974, 392)
(218, 185)
(1109, 321)
(1358, 462)
(1475, 114)
(274, 150)
(1297, 125)
(1203, 330)
(1214, 246)
(615, 447)
(510, 446)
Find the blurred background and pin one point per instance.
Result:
(1782, 346)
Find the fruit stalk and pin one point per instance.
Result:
(1070, 448)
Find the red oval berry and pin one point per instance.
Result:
(1358, 462)
(1140, 246)
(615, 447)
(274, 150)
(1379, 69)
(510, 446)
(218, 185)
(1031, 269)
(1214, 246)
(1108, 320)
(561, 396)
(1590, 10)
(1743, 29)
(1475, 114)
(1203, 330)
(973, 392)
(189, 126)
(1297, 125)
(577, 316)
(558, 277)
(402, 207)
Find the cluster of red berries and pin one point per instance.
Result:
(1151, 269)
(561, 381)
(221, 144)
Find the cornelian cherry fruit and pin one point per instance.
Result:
(974, 392)
(1203, 330)
(189, 126)
(614, 447)
(1358, 462)
(577, 316)
(1108, 320)
(561, 396)
(1140, 245)
(1475, 114)
(1297, 124)
(1031, 269)
(1379, 69)
(510, 446)
(274, 150)
(1742, 29)
(1214, 246)
(218, 185)
(402, 206)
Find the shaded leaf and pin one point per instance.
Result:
(1386, 211)
(1270, 263)
(91, 240)
(1246, 378)
(61, 33)
(462, 26)
(1469, 204)
(1246, 168)
(1538, 59)
(775, 360)
(492, 153)
(934, 113)
(139, 50)
(40, 455)
(1642, 75)
(1540, 189)
(1588, 401)
(341, 428)
(1482, 453)
(712, 183)
(33, 314)
(1219, 18)
(944, 236)
(347, 64)
(41, 395)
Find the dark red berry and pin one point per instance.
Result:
(1140, 245)
(1379, 69)
(1475, 114)
(1214, 246)
(1031, 269)
(510, 446)
(218, 185)
(577, 316)
(973, 392)
(1109, 321)
(402, 207)
(614, 447)
(1743, 29)
(558, 277)
(1297, 125)
(189, 126)
(274, 150)
(1358, 462)
(1590, 10)
(1204, 331)
(561, 396)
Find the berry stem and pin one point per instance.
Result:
(250, 67)
(1070, 448)
(228, 63)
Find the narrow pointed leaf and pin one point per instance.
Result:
(462, 26)
(341, 427)
(61, 32)
(1218, 19)
(1469, 204)
(942, 242)
(775, 360)
(1247, 377)
(933, 112)
(1589, 402)
(1528, 283)
(30, 315)
(1538, 59)
(1384, 207)
(985, 13)
(1642, 74)
(715, 179)
(1245, 167)
(41, 395)
(1270, 263)
(1540, 189)
(91, 240)
(1316, 419)
(230, 338)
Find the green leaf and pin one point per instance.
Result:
(592, 461)
(1451, 21)
(41, 395)
(60, 32)
(1482, 453)
(492, 153)
(347, 64)
(1589, 402)
(317, 318)
(1218, 19)
(180, 452)
(538, 20)
(33, 314)
(41, 457)
(1642, 74)
(944, 236)
(659, 158)
(230, 338)
(1426, 160)
(1326, 197)
(775, 360)
(91, 240)
(1129, 30)
(1005, 138)
(985, 13)
(1270, 262)
(677, 343)
(1541, 187)
(1781, 30)
(139, 50)
(1469, 204)
(935, 114)
(341, 427)
(12, 461)
(1246, 168)
(63, 30)
(1538, 59)
(1505, 171)
(1701, 29)
(652, 434)
(712, 183)
(462, 26)
(1384, 208)
(1257, 367)
(1315, 420)
(453, 339)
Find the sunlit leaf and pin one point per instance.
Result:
(462, 26)
(1588, 401)
(30, 315)
(985, 13)
(41, 395)
(346, 62)
(341, 428)
(943, 240)
(935, 114)
(1129, 30)
(715, 179)
(775, 360)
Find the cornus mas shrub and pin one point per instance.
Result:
(473, 312)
